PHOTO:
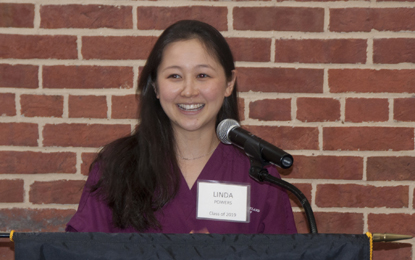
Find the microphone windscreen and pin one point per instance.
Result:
(222, 131)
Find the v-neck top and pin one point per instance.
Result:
(270, 209)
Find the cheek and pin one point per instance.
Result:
(165, 96)
(214, 93)
(167, 92)
(166, 101)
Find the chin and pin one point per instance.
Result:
(194, 126)
(190, 128)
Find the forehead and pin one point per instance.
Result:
(188, 49)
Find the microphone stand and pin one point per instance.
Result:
(260, 174)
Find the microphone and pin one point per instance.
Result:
(229, 131)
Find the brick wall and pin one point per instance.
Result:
(331, 82)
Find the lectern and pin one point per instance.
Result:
(128, 246)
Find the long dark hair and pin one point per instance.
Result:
(140, 173)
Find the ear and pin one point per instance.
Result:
(230, 84)
(155, 89)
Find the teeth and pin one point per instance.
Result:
(191, 107)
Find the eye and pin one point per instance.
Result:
(203, 76)
(174, 76)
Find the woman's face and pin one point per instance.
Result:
(191, 86)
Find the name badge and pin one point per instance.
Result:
(223, 201)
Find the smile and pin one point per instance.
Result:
(191, 107)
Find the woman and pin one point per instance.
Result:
(149, 181)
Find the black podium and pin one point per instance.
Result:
(94, 246)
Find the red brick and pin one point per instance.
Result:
(301, 222)
(38, 47)
(56, 192)
(6, 249)
(37, 162)
(20, 134)
(404, 109)
(305, 189)
(394, 1)
(86, 16)
(387, 251)
(323, 51)
(7, 104)
(367, 19)
(332, 222)
(392, 51)
(317, 1)
(17, 15)
(366, 81)
(278, 19)
(11, 191)
(87, 159)
(390, 168)
(318, 109)
(241, 108)
(35, 220)
(159, 18)
(325, 167)
(287, 137)
(87, 77)
(250, 49)
(88, 106)
(359, 196)
(270, 109)
(18, 76)
(366, 110)
(125, 107)
(117, 47)
(395, 223)
(82, 135)
(368, 138)
(284, 80)
(41, 106)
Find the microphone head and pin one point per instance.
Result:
(223, 129)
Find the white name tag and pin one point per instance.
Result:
(223, 201)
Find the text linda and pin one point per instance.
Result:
(225, 194)
(222, 195)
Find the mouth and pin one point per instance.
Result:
(191, 107)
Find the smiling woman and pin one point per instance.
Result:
(191, 86)
(152, 181)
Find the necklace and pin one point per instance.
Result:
(198, 157)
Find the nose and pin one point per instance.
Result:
(190, 88)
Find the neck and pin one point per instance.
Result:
(193, 146)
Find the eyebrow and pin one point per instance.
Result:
(198, 66)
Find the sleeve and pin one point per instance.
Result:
(93, 214)
(278, 217)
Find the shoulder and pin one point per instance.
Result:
(237, 157)
(117, 156)
(94, 174)
(230, 152)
